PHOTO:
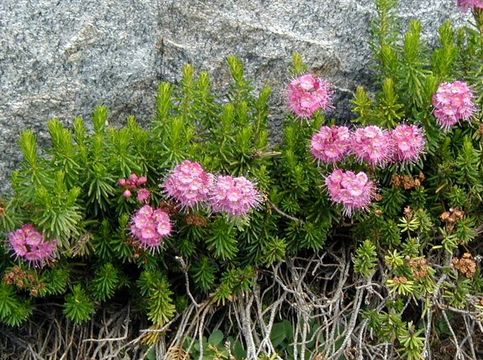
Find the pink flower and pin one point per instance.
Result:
(408, 142)
(142, 180)
(31, 245)
(353, 191)
(236, 196)
(330, 144)
(127, 194)
(453, 102)
(308, 93)
(133, 181)
(150, 226)
(188, 183)
(133, 178)
(143, 195)
(372, 145)
(468, 4)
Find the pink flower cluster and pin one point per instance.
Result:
(150, 226)
(308, 93)
(331, 144)
(31, 245)
(407, 142)
(236, 196)
(369, 144)
(353, 191)
(453, 102)
(470, 4)
(190, 184)
(135, 183)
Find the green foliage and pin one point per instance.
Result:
(105, 282)
(13, 310)
(204, 273)
(423, 224)
(222, 240)
(78, 306)
(56, 279)
(159, 301)
(298, 65)
(234, 283)
(71, 194)
(444, 57)
(216, 347)
(275, 251)
(282, 333)
(419, 225)
(366, 258)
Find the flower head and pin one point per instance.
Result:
(188, 183)
(133, 181)
(453, 102)
(143, 195)
(236, 196)
(330, 144)
(470, 4)
(308, 93)
(372, 145)
(408, 142)
(31, 245)
(141, 181)
(150, 226)
(353, 191)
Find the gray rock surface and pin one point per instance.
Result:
(61, 58)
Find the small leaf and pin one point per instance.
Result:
(238, 350)
(279, 333)
(151, 355)
(216, 338)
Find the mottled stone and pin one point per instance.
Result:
(61, 58)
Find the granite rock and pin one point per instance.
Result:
(61, 58)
